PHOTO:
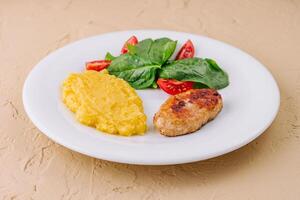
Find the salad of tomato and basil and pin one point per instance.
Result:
(148, 64)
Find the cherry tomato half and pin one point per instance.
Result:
(172, 86)
(132, 40)
(97, 65)
(186, 51)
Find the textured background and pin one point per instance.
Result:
(33, 167)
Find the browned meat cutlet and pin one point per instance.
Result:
(187, 112)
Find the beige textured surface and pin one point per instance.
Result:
(33, 167)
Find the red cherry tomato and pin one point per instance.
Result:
(186, 51)
(172, 86)
(97, 65)
(132, 40)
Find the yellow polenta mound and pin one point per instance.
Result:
(105, 102)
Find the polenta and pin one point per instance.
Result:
(105, 102)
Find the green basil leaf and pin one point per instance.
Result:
(154, 85)
(139, 73)
(131, 49)
(203, 71)
(108, 56)
(140, 78)
(142, 48)
(140, 65)
(161, 50)
(199, 85)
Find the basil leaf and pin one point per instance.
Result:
(141, 49)
(157, 51)
(203, 71)
(154, 85)
(108, 56)
(161, 50)
(140, 78)
(140, 65)
(139, 73)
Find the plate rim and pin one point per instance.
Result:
(119, 159)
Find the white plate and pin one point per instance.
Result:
(251, 102)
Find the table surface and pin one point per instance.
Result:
(34, 167)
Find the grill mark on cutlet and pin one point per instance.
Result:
(207, 98)
(203, 98)
(198, 94)
(178, 106)
(216, 93)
